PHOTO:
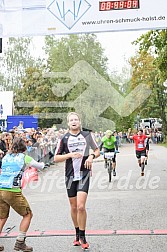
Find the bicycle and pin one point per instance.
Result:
(109, 156)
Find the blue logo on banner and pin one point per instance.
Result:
(67, 12)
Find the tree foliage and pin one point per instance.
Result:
(150, 66)
(16, 59)
(62, 54)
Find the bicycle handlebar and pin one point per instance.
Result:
(102, 152)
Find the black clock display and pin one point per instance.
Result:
(119, 5)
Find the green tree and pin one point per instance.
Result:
(35, 89)
(150, 67)
(121, 83)
(15, 60)
(62, 54)
(65, 52)
(2, 82)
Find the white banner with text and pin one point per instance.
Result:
(46, 17)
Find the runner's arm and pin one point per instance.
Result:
(30, 162)
(95, 154)
(100, 146)
(116, 145)
(128, 135)
(64, 157)
(61, 156)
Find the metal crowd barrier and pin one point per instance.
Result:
(43, 153)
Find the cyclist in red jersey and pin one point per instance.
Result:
(140, 147)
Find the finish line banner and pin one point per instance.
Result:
(46, 17)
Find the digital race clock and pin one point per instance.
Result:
(118, 5)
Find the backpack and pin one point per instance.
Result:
(13, 166)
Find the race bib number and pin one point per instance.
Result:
(108, 143)
(140, 146)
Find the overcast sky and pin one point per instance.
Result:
(118, 47)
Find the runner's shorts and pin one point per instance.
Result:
(140, 154)
(73, 187)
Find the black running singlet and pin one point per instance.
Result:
(82, 142)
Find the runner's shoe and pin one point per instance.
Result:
(1, 248)
(84, 243)
(76, 242)
(114, 173)
(142, 173)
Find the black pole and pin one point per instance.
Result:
(0, 45)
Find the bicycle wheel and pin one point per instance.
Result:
(110, 170)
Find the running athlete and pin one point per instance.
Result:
(13, 166)
(109, 144)
(140, 147)
(74, 148)
(147, 143)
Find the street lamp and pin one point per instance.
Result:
(1, 110)
(138, 121)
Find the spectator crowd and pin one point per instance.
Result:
(41, 143)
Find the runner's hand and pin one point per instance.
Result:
(88, 162)
(75, 155)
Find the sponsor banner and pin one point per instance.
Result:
(44, 17)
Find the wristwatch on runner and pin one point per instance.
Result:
(93, 155)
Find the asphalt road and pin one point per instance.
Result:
(130, 203)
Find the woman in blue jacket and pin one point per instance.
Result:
(13, 165)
